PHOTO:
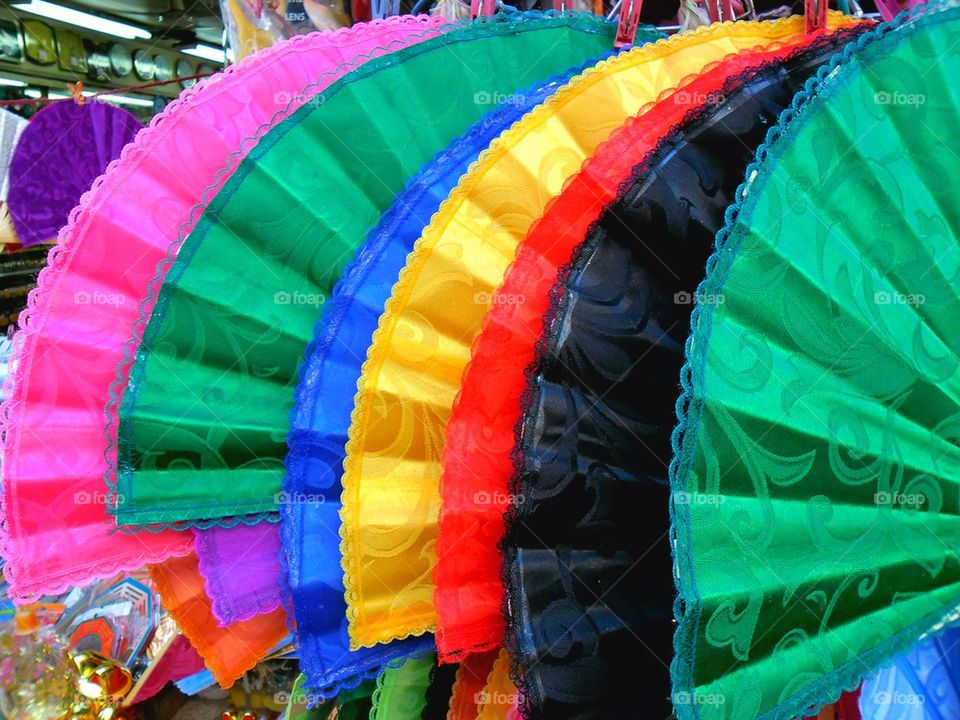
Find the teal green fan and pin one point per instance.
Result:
(204, 419)
(816, 477)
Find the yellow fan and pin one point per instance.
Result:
(391, 476)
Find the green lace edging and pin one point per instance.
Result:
(180, 252)
(688, 606)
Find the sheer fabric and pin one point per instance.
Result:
(237, 308)
(127, 220)
(472, 674)
(228, 652)
(587, 549)
(498, 699)
(819, 416)
(324, 401)
(401, 692)
(391, 496)
(63, 149)
(477, 455)
(241, 568)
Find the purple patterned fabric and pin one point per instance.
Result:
(241, 567)
(64, 148)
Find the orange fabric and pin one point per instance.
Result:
(470, 681)
(228, 652)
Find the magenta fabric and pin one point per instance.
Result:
(241, 569)
(57, 531)
(63, 149)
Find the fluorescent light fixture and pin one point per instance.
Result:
(10, 82)
(207, 52)
(82, 19)
(126, 100)
(35, 94)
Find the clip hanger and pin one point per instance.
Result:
(482, 8)
(629, 21)
(815, 14)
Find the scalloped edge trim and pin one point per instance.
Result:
(215, 591)
(127, 366)
(33, 317)
(479, 340)
(351, 281)
(777, 29)
(687, 606)
(464, 29)
(544, 350)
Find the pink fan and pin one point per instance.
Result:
(65, 147)
(57, 531)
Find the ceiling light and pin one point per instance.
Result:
(126, 100)
(207, 52)
(82, 19)
(10, 82)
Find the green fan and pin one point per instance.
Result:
(401, 692)
(204, 419)
(816, 477)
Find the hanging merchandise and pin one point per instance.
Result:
(100, 271)
(498, 699)
(472, 674)
(237, 309)
(227, 651)
(11, 127)
(420, 349)
(64, 148)
(324, 400)
(401, 692)
(477, 455)
(817, 419)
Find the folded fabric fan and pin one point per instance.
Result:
(324, 401)
(238, 306)
(586, 548)
(477, 454)
(241, 569)
(418, 354)
(228, 652)
(76, 326)
(814, 486)
(64, 148)
(401, 692)
(922, 683)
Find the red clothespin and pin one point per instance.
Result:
(483, 8)
(815, 14)
(77, 92)
(720, 10)
(629, 20)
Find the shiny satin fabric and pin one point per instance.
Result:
(815, 485)
(477, 454)
(324, 401)
(587, 544)
(228, 652)
(391, 498)
(237, 308)
(71, 356)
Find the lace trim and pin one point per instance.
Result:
(33, 317)
(431, 234)
(545, 348)
(153, 303)
(688, 605)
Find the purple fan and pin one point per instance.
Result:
(64, 148)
